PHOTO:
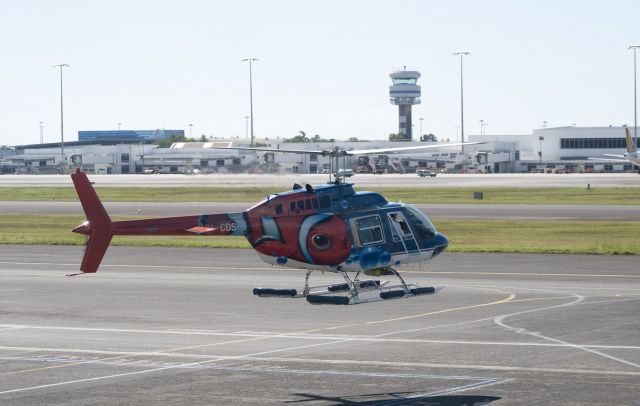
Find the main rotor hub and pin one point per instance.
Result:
(334, 152)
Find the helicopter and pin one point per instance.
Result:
(326, 228)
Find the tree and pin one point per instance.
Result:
(397, 137)
(429, 137)
(301, 137)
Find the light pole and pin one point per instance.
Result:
(635, 98)
(462, 54)
(119, 126)
(64, 159)
(483, 127)
(250, 60)
(421, 119)
(544, 124)
(41, 132)
(190, 130)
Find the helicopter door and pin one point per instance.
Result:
(401, 231)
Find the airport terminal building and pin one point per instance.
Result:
(563, 148)
(128, 135)
(557, 149)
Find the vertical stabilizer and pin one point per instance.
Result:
(98, 228)
(630, 144)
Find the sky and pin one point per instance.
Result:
(323, 66)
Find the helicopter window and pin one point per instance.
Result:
(307, 204)
(325, 201)
(315, 203)
(279, 209)
(422, 224)
(301, 204)
(369, 230)
(399, 226)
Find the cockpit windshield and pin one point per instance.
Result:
(421, 223)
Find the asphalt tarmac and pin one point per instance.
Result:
(360, 180)
(181, 326)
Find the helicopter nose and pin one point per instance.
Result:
(441, 243)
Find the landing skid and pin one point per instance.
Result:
(353, 291)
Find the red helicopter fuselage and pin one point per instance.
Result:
(328, 227)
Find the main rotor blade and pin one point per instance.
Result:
(397, 149)
(341, 152)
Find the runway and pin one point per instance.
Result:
(180, 326)
(360, 180)
(434, 211)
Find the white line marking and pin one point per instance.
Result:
(462, 323)
(254, 368)
(377, 363)
(579, 298)
(81, 380)
(320, 337)
(223, 358)
(168, 367)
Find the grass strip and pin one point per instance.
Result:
(530, 236)
(424, 195)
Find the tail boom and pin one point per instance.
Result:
(99, 228)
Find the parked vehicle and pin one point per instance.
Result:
(423, 173)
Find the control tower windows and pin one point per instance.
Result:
(405, 81)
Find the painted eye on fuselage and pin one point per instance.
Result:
(321, 241)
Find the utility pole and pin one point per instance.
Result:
(635, 96)
(250, 60)
(64, 159)
(41, 132)
(462, 54)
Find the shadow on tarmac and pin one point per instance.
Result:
(397, 398)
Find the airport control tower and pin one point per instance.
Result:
(404, 93)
